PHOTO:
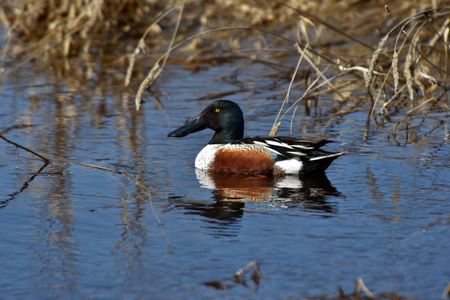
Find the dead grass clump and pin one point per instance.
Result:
(414, 66)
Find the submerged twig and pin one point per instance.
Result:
(239, 277)
(256, 275)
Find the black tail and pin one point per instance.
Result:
(317, 161)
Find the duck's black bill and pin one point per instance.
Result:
(192, 126)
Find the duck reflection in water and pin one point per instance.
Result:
(233, 192)
(282, 191)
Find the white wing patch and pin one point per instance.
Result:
(288, 166)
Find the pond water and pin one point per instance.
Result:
(157, 230)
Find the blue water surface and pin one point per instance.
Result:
(145, 227)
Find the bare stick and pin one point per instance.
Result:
(26, 149)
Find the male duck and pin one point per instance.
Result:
(229, 152)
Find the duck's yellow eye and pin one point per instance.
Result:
(217, 109)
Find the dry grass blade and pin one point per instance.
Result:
(422, 104)
(360, 286)
(313, 86)
(386, 104)
(175, 32)
(277, 123)
(440, 33)
(321, 74)
(99, 167)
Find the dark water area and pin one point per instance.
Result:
(159, 230)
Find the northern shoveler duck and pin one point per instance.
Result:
(229, 152)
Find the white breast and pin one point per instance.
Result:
(206, 156)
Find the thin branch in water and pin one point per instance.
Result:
(26, 149)
(238, 276)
